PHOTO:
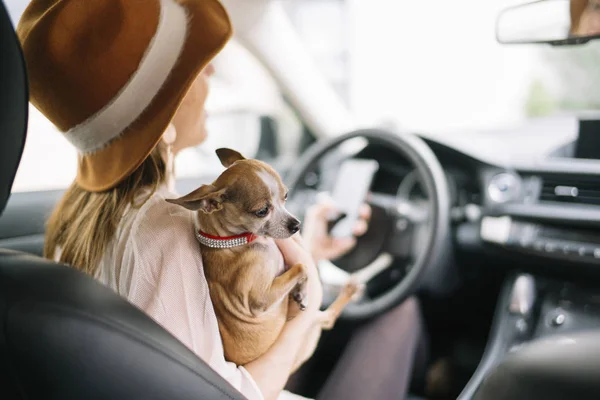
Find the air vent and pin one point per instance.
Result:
(576, 189)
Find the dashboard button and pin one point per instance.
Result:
(558, 320)
(588, 251)
(538, 245)
(524, 243)
(567, 248)
(521, 325)
(550, 247)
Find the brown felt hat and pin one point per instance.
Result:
(110, 74)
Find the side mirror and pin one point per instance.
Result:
(556, 22)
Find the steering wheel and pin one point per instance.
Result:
(400, 228)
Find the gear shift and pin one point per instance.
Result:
(521, 304)
(523, 296)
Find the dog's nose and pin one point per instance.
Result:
(293, 225)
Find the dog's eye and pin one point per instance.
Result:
(286, 195)
(263, 212)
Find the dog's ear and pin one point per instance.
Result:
(206, 198)
(228, 156)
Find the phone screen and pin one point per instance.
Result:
(350, 192)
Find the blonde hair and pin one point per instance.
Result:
(83, 223)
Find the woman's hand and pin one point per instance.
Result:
(294, 251)
(304, 322)
(322, 245)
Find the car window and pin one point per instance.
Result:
(325, 28)
(246, 111)
(408, 65)
(48, 161)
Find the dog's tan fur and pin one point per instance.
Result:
(248, 289)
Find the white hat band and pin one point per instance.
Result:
(157, 63)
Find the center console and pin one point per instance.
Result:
(530, 308)
(578, 245)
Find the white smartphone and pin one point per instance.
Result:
(350, 192)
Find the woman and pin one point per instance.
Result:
(126, 83)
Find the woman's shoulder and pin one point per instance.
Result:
(158, 222)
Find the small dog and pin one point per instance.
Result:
(238, 216)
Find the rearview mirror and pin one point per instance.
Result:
(557, 22)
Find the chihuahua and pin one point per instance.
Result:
(238, 217)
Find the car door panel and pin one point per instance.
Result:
(22, 225)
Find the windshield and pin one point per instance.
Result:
(436, 66)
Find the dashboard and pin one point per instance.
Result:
(551, 215)
(542, 216)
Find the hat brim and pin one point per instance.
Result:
(209, 29)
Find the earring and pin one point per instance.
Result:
(168, 139)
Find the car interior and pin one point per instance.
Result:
(503, 256)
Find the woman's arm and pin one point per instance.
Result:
(272, 370)
(298, 340)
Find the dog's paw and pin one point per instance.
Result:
(353, 290)
(328, 324)
(300, 297)
(299, 293)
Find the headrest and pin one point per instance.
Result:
(13, 105)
